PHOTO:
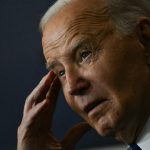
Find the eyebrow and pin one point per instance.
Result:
(77, 46)
(51, 65)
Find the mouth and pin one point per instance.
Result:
(90, 106)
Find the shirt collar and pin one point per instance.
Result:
(144, 138)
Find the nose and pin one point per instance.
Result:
(77, 84)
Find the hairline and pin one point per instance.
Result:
(123, 14)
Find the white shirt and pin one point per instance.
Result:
(144, 138)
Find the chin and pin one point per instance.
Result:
(104, 128)
(105, 131)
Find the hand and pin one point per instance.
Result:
(34, 132)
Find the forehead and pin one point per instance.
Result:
(74, 20)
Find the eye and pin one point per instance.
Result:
(85, 55)
(61, 73)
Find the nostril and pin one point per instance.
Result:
(79, 89)
(77, 92)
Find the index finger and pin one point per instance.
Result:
(39, 93)
(51, 98)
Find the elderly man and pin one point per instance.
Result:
(98, 51)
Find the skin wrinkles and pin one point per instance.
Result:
(104, 75)
(111, 76)
(72, 34)
(52, 45)
(92, 17)
(84, 43)
(74, 55)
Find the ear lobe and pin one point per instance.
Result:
(144, 31)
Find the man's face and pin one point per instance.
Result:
(103, 74)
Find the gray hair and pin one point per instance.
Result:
(124, 13)
(52, 11)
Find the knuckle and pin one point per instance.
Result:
(19, 129)
(27, 98)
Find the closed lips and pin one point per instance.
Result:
(92, 105)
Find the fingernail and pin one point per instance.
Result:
(45, 101)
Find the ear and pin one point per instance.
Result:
(143, 28)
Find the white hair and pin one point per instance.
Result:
(58, 5)
(124, 13)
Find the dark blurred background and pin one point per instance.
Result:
(22, 66)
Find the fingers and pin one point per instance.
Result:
(29, 118)
(52, 94)
(51, 99)
(39, 93)
(38, 112)
(74, 135)
(40, 104)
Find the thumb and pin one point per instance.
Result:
(74, 135)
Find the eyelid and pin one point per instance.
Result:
(60, 72)
(57, 70)
(87, 57)
(50, 66)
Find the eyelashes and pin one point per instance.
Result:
(61, 73)
(85, 55)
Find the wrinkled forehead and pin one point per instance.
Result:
(78, 18)
(77, 7)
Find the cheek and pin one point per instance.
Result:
(110, 74)
(101, 76)
(112, 120)
(68, 99)
(74, 105)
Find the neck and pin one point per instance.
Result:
(130, 135)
